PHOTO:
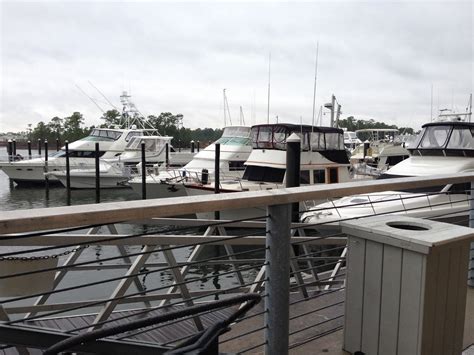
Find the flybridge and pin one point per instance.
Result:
(274, 136)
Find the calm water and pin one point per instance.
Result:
(16, 198)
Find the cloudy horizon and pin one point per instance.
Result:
(380, 59)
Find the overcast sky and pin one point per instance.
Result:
(380, 59)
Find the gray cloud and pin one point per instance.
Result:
(379, 58)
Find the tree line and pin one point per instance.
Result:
(72, 128)
(353, 124)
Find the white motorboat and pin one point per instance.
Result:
(114, 173)
(323, 161)
(382, 149)
(442, 147)
(235, 148)
(350, 140)
(112, 143)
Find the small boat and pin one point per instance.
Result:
(235, 148)
(323, 161)
(445, 146)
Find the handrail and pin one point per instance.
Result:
(115, 212)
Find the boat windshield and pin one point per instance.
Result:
(151, 145)
(243, 132)
(234, 141)
(98, 134)
(445, 136)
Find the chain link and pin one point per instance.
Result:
(43, 257)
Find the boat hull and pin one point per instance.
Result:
(159, 190)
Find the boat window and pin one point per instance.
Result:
(114, 134)
(264, 139)
(242, 132)
(101, 135)
(233, 141)
(263, 174)
(132, 134)
(460, 188)
(319, 176)
(84, 153)
(333, 175)
(304, 140)
(334, 141)
(279, 138)
(304, 177)
(236, 165)
(58, 154)
(435, 137)
(461, 138)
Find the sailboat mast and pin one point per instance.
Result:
(268, 100)
(315, 80)
(225, 118)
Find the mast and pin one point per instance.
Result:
(431, 120)
(268, 100)
(225, 118)
(333, 102)
(315, 80)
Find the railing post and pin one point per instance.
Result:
(470, 280)
(143, 172)
(217, 175)
(277, 285)
(293, 159)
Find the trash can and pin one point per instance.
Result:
(406, 286)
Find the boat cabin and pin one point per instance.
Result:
(449, 138)
(323, 155)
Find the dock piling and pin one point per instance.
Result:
(29, 149)
(167, 160)
(10, 150)
(58, 144)
(14, 149)
(68, 175)
(39, 147)
(217, 175)
(198, 143)
(192, 146)
(97, 174)
(143, 171)
(46, 177)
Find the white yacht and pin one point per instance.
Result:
(114, 173)
(112, 143)
(382, 148)
(350, 140)
(442, 147)
(235, 148)
(323, 160)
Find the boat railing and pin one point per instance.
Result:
(82, 268)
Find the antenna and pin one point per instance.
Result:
(469, 108)
(225, 118)
(431, 120)
(100, 92)
(242, 118)
(268, 101)
(90, 98)
(226, 107)
(315, 80)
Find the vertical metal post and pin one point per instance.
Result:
(10, 150)
(470, 280)
(57, 144)
(14, 149)
(143, 172)
(217, 180)
(68, 175)
(179, 145)
(293, 165)
(277, 285)
(97, 174)
(167, 160)
(29, 149)
(198, 144)
(192, 146)
(46, 177)
(39, 147)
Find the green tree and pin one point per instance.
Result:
(111, 118)
(73, 127)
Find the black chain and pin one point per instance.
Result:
(43, 257)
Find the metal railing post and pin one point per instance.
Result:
(97, 173)
(277, 285)
(143, 172)
(217, 176)
(470, 280)
(68, 175)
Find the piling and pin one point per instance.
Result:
(198, 143)
(14, 149)
(277, 286)
(39, 147)
(143, 172)
(192, 146)
(10, 150)
(68, 175)
(217, 181)
(57, 144)
(179, 145)
(167, 159)
(470, 280)
(293, 166)
(97, 173)
(29, 150)
(46, 177)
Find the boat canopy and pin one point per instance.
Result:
(445, 138)
(273, 136)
